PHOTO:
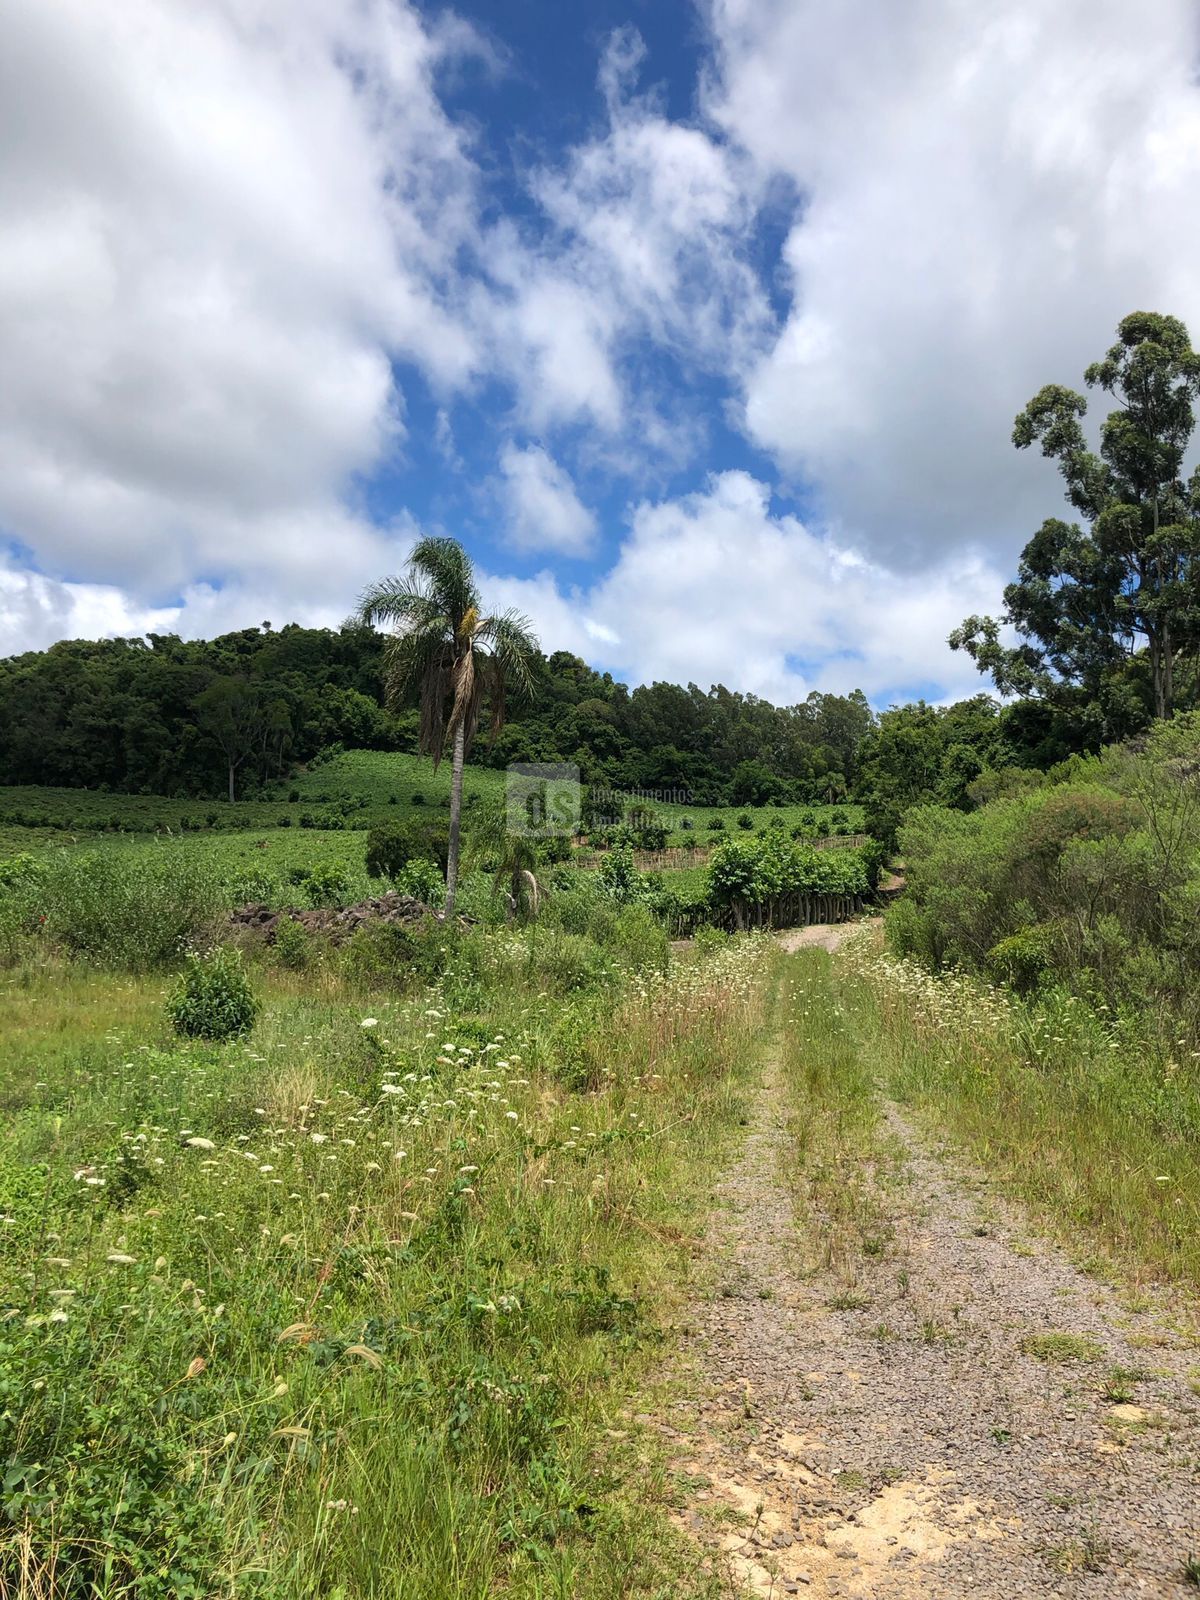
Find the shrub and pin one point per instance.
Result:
(1022, 960)
(293, 944)
(640, 941)
(745, 821)
(618, 876)
(380, 950)
(416, 798)
(421, 879)
(213, 999)
(392, 845)
(716, 825)
(136, 911)
(326, 884)
(252, 884)
(707, 938)
(571, 962)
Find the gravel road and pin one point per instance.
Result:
(898, 1440)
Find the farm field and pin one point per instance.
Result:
(354, 790)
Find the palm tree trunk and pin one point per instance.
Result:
(456, 783)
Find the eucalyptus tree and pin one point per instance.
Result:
(1092, 594)
(445, 654)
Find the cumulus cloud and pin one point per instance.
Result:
(221, 224)
(228, 225)
(542, 508)
(717, 586)
(984, 192)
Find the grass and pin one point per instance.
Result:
(1066, 1110)
(1058, 1349)
(355, 1306)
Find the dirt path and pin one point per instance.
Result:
(893, 1438)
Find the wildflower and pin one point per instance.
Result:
(120, 1259)
(58, 1316)
(195, 1368)
(201, 1144)
(390, 1088)
(318, 1138)
(369, 1022)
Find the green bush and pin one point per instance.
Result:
(619, 879)
(1022, 960)
(745, 821)
(293, 944)
(639, 940)
(213, 998)
(421, 879)
(136, 910)
(326, 884)
(252, 885)
(392, 845)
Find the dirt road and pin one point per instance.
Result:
(971, 1415)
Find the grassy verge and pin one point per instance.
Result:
(1099, 1136)
(844, 1158)
(353, 1308)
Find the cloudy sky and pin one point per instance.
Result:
(702, 324)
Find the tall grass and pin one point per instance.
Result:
(1087, 1115)
(354, 1307)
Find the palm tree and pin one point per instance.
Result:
(443, 651)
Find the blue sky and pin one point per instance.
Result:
(703, 325)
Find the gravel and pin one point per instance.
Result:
(906, 1444)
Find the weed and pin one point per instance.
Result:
(213, 999)
(1061, 1348)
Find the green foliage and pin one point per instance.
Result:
(1091, 881)
(421, 879)
(293, 944)
(640, 939)
(251, 886)
(392, 845)
(128, 910)
(1022, 959)
(1084, 597)
(326, 884)
(771, 873)
(619, 877)
(213, 998)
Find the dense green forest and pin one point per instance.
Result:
(169, 716)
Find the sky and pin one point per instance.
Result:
(702, 325)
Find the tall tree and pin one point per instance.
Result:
(235, 716)
(1089, 597)
(448, 656)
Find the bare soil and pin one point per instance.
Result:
(951, 1423)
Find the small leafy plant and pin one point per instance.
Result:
(213, 998)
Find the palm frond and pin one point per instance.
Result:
(446, 568)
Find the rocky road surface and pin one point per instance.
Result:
(972, 1416)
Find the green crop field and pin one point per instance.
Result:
(353, 791)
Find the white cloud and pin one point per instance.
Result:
(542, 508)
(986, 191)
(717, 587)
(221, 223)
(646, 239)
